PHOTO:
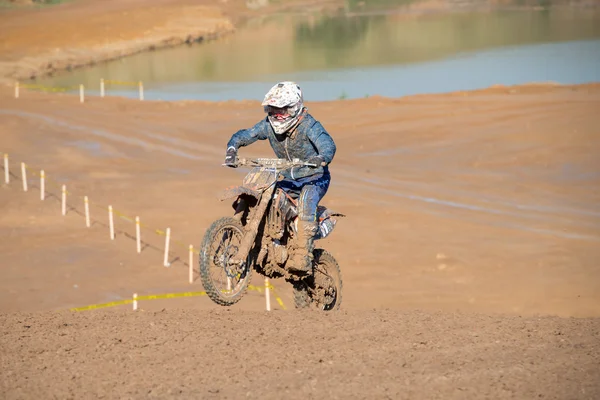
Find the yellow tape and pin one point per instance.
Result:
(259, 289)
(171, 295)
(163, 296)
(123, 216)
(99, 206)
(129, 301)
(180, 243)
(154, 230)
(280, 303)
(47, 178)
(48, 88)
(277, 297)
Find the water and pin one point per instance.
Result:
(351, 56)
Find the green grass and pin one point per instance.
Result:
(7, 4)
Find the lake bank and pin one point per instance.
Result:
(42, 41)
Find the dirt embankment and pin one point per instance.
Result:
(41, 41)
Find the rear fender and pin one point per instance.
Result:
(327, 221)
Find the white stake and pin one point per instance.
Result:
(64, 200)
(101, 87)
(141, 86)
(138, 235)
(267, 294)
(24, 176)
(16, 90)
(168, 238)
(87, 211)
(111, 223)
(191, 262)
(135, 305)
(42, 185)
(6, 172)
(81, 95)
(228, 284)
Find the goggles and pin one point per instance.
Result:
(277, 112)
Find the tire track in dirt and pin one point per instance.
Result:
(105, 134)
(481, 108)
(474, 208)
(350, 176)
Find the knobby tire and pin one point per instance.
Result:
(205, 263)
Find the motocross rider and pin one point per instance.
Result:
(293, 133)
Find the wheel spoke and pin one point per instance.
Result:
(224, 248)
(322, 290)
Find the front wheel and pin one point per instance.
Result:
(323, 289)
(225, 283)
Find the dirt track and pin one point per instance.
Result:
(228, 354)
(485, 203)
(481, 202)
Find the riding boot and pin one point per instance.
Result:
(302, 258)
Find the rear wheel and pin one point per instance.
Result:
(224, 282)
(323, 289)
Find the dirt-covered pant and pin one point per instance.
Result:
(311, 191)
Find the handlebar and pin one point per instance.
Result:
(275, 163)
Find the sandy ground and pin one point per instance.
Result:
(347, 355)
(481, 202)
(469, 252)
(486, 201)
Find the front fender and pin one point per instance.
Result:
(236, 191)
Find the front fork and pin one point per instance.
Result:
(251, 228)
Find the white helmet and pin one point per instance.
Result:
(283, 104)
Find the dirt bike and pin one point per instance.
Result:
(261, 235)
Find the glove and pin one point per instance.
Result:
(316, 160)
(231, 157)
